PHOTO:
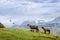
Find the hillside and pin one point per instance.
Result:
(25, 34)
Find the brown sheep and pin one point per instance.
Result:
(32, 27)
(46, 30)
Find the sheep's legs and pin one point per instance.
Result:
(32, 30)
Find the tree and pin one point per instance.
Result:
(2, 26)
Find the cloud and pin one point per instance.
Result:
(43, 9)
(45, 1)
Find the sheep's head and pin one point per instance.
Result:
(28, 24)
(42, 27)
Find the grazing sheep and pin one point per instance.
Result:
(32, 27)
(46, 30)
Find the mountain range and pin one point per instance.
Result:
(42, 23)
(56, 20)
(37, 22)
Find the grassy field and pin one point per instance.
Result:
(25, 34)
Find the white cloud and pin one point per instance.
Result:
(46, 10)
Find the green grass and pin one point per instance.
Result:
(25, 34)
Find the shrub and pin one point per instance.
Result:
(2, 26)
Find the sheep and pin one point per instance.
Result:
(46, 30)
(32, 27)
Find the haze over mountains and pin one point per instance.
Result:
(56, 20)
(34, 21)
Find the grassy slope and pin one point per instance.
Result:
(25, 34)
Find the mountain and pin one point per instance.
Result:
(15, 26)
(42, 23)
(7, 25)
(56, 20)
(39, 23)
(24, 24)
(35, 21)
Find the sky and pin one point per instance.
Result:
(20, 10)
